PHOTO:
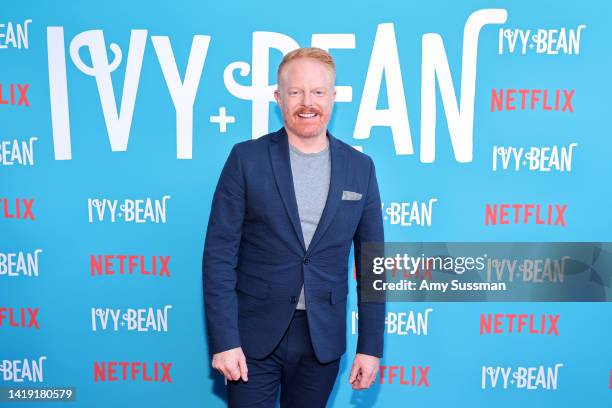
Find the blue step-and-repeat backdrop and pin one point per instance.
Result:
(488, 121)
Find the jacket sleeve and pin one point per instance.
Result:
(220, 258)
(371, 323)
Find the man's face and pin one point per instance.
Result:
(306, 96)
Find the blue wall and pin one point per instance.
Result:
(75, 166)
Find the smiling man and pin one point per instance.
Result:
(285, 212)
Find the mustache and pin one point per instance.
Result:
(308, 110)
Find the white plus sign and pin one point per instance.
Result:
(222, 120)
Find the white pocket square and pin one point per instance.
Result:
(350, 195)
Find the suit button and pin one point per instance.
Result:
(293, 299)
(306, 260)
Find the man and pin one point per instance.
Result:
(286, 209)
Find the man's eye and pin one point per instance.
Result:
(294, 93)
(320, 93)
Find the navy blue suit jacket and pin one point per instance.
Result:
(255, 259)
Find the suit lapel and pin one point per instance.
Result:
(281, 165)
(279, 157)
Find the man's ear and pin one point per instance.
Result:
(277, 96)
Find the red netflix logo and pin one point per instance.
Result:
(415, 375)
(519, 323)
(129, 264)
(525, 214)
(532, 99)
(10, 93)
(132, 371)
(19, 208)
(19, 317)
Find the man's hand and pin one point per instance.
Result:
(364, 371)
(231, 363)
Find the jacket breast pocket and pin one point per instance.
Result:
(252, 286)
(351, 202)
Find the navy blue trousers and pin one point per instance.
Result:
(292, 365)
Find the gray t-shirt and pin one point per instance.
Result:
(311, 175)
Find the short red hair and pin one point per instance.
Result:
(315, 53)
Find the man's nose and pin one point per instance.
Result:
(307, 100)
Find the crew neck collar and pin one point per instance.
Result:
(301, 153)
